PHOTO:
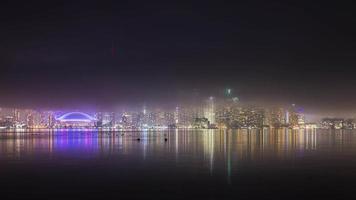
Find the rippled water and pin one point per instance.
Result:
(206, 164)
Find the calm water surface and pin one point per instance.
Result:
(209, 164)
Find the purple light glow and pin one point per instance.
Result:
(76, 117)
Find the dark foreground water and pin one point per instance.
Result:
(211, 164)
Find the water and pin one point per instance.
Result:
(206, 164)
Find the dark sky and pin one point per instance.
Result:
(72, 53)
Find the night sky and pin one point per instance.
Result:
(106, 53)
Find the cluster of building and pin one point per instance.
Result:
(338, 123)
(223, 113)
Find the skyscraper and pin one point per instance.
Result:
(209, 110)
(30, 121)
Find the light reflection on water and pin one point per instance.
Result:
(208, 163)
(209, 145)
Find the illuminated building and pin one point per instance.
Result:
(51, 120)
(170, 119)
(333, 123)
(99, 119)
(267, 122)
(187, 116)
(43, 120)
(129, 120)
(278, 117)
(228, 92)
(201, 123)
(292, 116)
(209, 110)
(255, 117)
(176, 115)
(310, 125)
(16, 115)
(113, 119)
(135, 119)
(7, 122)
(108, 119)
(30, 121)
(301, 119)
(349, 124)
(161, 120)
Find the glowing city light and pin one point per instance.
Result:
(76, 117)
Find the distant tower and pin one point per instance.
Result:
(108, 119)
(209, 111)
(176, 115)
(228, 92)
(145, 116)
(30, 121)
(99, 117)
(113, 119)
(287, 117)
(16, 115)
(43, 119)
(144, 109)
(301, 117)
(51, 120)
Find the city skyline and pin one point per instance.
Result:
(222, 112)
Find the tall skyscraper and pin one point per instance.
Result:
(51, 120)
(16, 115)
(209, 111)
(99, 117)
(176, 115)
(30, 121)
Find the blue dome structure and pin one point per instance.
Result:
(76, 117)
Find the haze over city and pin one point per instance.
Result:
(107, 54)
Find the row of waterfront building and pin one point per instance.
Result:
(208, 115)
(227, 113)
